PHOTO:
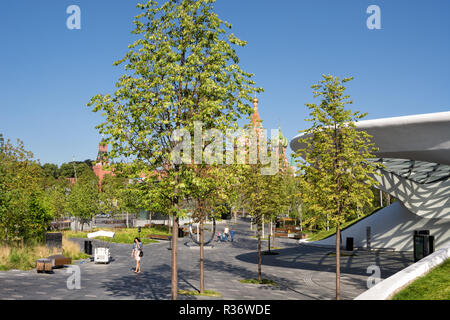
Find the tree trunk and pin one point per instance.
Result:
(338, 262)
(273, 236)
(259, 251)
(202, 258)
(300, 213)
(262, 225)
(174, 258)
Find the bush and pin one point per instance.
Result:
(24, 258)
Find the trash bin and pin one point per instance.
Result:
(88, 247)
(180, 233)
(431, 244)
(349, 244)
(423, 244)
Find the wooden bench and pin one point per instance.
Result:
(44, 265)
(281, 234)
(59, 260)
(158, 237)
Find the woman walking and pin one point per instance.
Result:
(136, 253)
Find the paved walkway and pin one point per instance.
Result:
(300, 272)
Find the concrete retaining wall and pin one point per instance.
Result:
(393, 228)
(388, 287)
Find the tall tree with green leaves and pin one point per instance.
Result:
(334, 173)
(24, 211)
(211, 192)
(83, 201)
(57, 197)
(182, 69)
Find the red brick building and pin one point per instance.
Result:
(101, 161)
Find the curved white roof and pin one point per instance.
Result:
(424, 137)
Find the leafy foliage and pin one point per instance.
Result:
(83, 200)
(24, 210)
(335, 177)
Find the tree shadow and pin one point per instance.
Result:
(312, 258)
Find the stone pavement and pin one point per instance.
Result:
(300, 272)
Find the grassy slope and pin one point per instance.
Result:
(122, 235)
(25, 258)
(435, 285)
(321, 235)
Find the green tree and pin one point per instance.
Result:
(335, 176)
(211, 191)
(24, 213)
(182, 69)
(57, 197)
(111, 194)
(83, 200)
(50, 170)
(255, 188)
(74, 169)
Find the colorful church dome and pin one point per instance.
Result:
(283, 140)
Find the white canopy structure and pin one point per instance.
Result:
(101, 233)
(416, 153)
(101, 254)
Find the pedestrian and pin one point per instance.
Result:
(226, 233)
(137, 253)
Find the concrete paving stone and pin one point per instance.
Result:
(225, 264)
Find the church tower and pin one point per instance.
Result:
(102, 159)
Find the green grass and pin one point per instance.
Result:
(124, 235)
(24, 258)
(256, 281)
(321, 235)
(435, 285)
(206, 293)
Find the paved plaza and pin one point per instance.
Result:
(301, 272)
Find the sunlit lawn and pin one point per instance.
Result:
(24, 257)
(325, 234)
(435, 285)
(123, 235)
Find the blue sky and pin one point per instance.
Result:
(49, 73)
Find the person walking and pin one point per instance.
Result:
(137, 253)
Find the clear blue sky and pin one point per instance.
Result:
(49, 73)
